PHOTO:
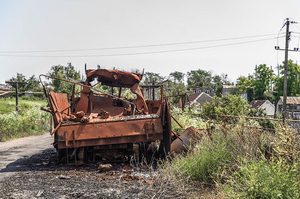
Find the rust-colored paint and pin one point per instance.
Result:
(109, 132)
(114, 78)
(107, 121)
(189, 137)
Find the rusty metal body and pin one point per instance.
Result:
(186, 140)
(102, 123)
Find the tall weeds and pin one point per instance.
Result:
(242, 159)
(28, 121)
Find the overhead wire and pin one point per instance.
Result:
(140, 53)
(136, 46)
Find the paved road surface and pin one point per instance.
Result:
(13, 153)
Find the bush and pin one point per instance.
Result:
(227, 105)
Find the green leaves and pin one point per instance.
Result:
(293, 80)
(63, 72)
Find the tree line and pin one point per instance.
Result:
(262, 84)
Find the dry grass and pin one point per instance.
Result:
(222, 153)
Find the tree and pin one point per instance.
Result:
(176, 90)
(225, 80)
(64, 72)
(20, 78)
(226, 105)
(293, 81)
(245, 85)
(152, 77)
(32, 82)
(177, 76)
(218, 85)
(199, 78)
(263, 76)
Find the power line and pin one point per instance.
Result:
(138, 46)
(140, 53)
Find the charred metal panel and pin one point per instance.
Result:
(121, 131)
(113, 77)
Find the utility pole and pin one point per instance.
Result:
(287, 39)
(17, 100)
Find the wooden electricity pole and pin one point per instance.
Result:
(17, 100)
(287, 39)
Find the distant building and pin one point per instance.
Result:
(268, 107)
(5, 87)
(228, 89)
(292, 106)
(196, 100)
(29, 94)
(206, 90)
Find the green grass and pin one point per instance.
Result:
(8, 105)
(30, 120)
(264, 180)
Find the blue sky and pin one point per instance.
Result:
(39, 25)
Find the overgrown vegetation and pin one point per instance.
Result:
(30, 120)
(186, 119)
(241, 158)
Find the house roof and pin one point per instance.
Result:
(291, 100)
(196, 97)
(230, 86)
(257, 103)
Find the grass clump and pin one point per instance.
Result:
(264, 180)
(204, 162)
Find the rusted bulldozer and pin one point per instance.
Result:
(94, 125)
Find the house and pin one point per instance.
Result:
(292, 106)
(5, 87)
(29, 94)
(268, 107)
(196, 100)
(206, 90)
(228, 89)
(5, 90)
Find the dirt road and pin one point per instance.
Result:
(14, 154)
(29, 169)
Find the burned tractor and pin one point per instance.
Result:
(94, 125)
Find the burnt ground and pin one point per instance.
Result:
(29, 169)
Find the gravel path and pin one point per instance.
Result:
(28, 169)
